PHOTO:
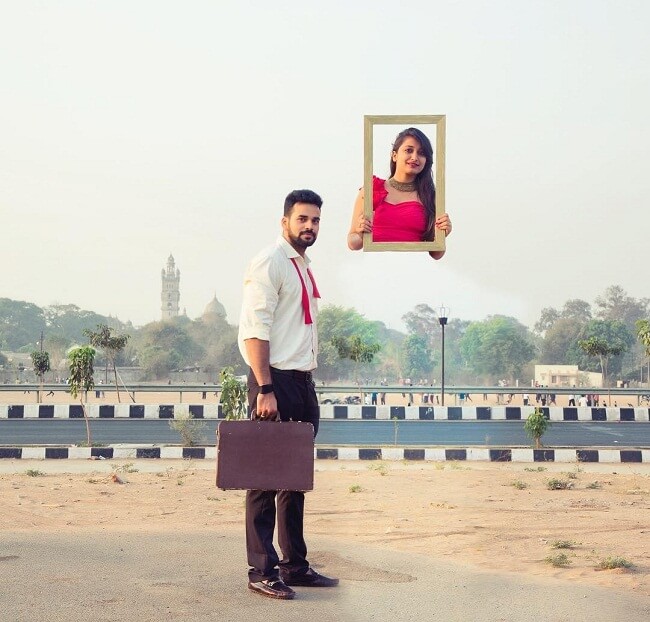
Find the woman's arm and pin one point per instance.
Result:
(443, 223)
(360, 224)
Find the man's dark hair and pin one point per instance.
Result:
(301, 196)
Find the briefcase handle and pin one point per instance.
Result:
(254, 416)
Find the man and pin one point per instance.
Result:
(279, 341)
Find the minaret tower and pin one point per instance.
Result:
(171, 293)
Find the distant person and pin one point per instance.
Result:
(582, 401)
(404, 205)
(526, 397)
(572, 400)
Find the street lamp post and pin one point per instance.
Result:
(443, 313)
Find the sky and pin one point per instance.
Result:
(132, 129)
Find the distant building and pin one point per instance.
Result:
(214, 310)
(566, 376)
(171, 293)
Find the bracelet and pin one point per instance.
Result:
(266, 388)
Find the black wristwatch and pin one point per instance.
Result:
(266, 388)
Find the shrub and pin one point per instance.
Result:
(610, 563)
(189, 428)
(536, 425)
(562, 544)
(558, 484)
(559, 560)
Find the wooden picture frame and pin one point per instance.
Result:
(439, 120)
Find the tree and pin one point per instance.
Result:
(611, 332)
(576, 309)
(233, 394)
(71, 321)
(558, 341)
(423, 320)
(111, 344)
(219, 342)
(41, 363)
(497, 347)
(356, 349)
(338, 323)
(166, 346)
(643, 334)
(19, 322)
(81, 360)
(417, 357)
(595, 346)
(615, 304)
(189, 428)
(536, 425)
(548, 317)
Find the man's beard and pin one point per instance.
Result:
(297, 240)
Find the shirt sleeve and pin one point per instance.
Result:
(260, 298)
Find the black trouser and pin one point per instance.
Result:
(297, 401)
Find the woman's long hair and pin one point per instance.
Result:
(424, 181)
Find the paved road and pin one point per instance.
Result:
(199, 575)
(339, 433)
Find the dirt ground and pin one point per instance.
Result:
(497, 517)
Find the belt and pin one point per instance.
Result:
(305, 376)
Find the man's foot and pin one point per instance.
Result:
(272, 588)
(311, 578)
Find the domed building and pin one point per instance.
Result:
(214, 310)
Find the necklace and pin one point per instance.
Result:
(401, 186)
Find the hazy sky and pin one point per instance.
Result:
(132, 129)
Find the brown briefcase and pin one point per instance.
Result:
(265, 455)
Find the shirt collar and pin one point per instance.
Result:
(289, 250)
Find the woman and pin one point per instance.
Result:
(404, 205)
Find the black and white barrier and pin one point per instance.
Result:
(327, 411)
(438, 454)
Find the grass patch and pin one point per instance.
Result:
(380, 468)
(538, 469)
(562, 544)
(594, 485)
(128, 467)
(610, 563)
(558, 484)
(559, 560)
(519, 485)
(34, 473)
(355, 488)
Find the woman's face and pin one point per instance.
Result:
(409, 158)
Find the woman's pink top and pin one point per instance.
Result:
(400, 222)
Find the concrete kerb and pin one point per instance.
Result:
(324, 453)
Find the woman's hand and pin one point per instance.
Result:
(359, 225)
(444, 224)
(364, 225)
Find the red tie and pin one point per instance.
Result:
(305, 295)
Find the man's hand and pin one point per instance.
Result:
(266, 407)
